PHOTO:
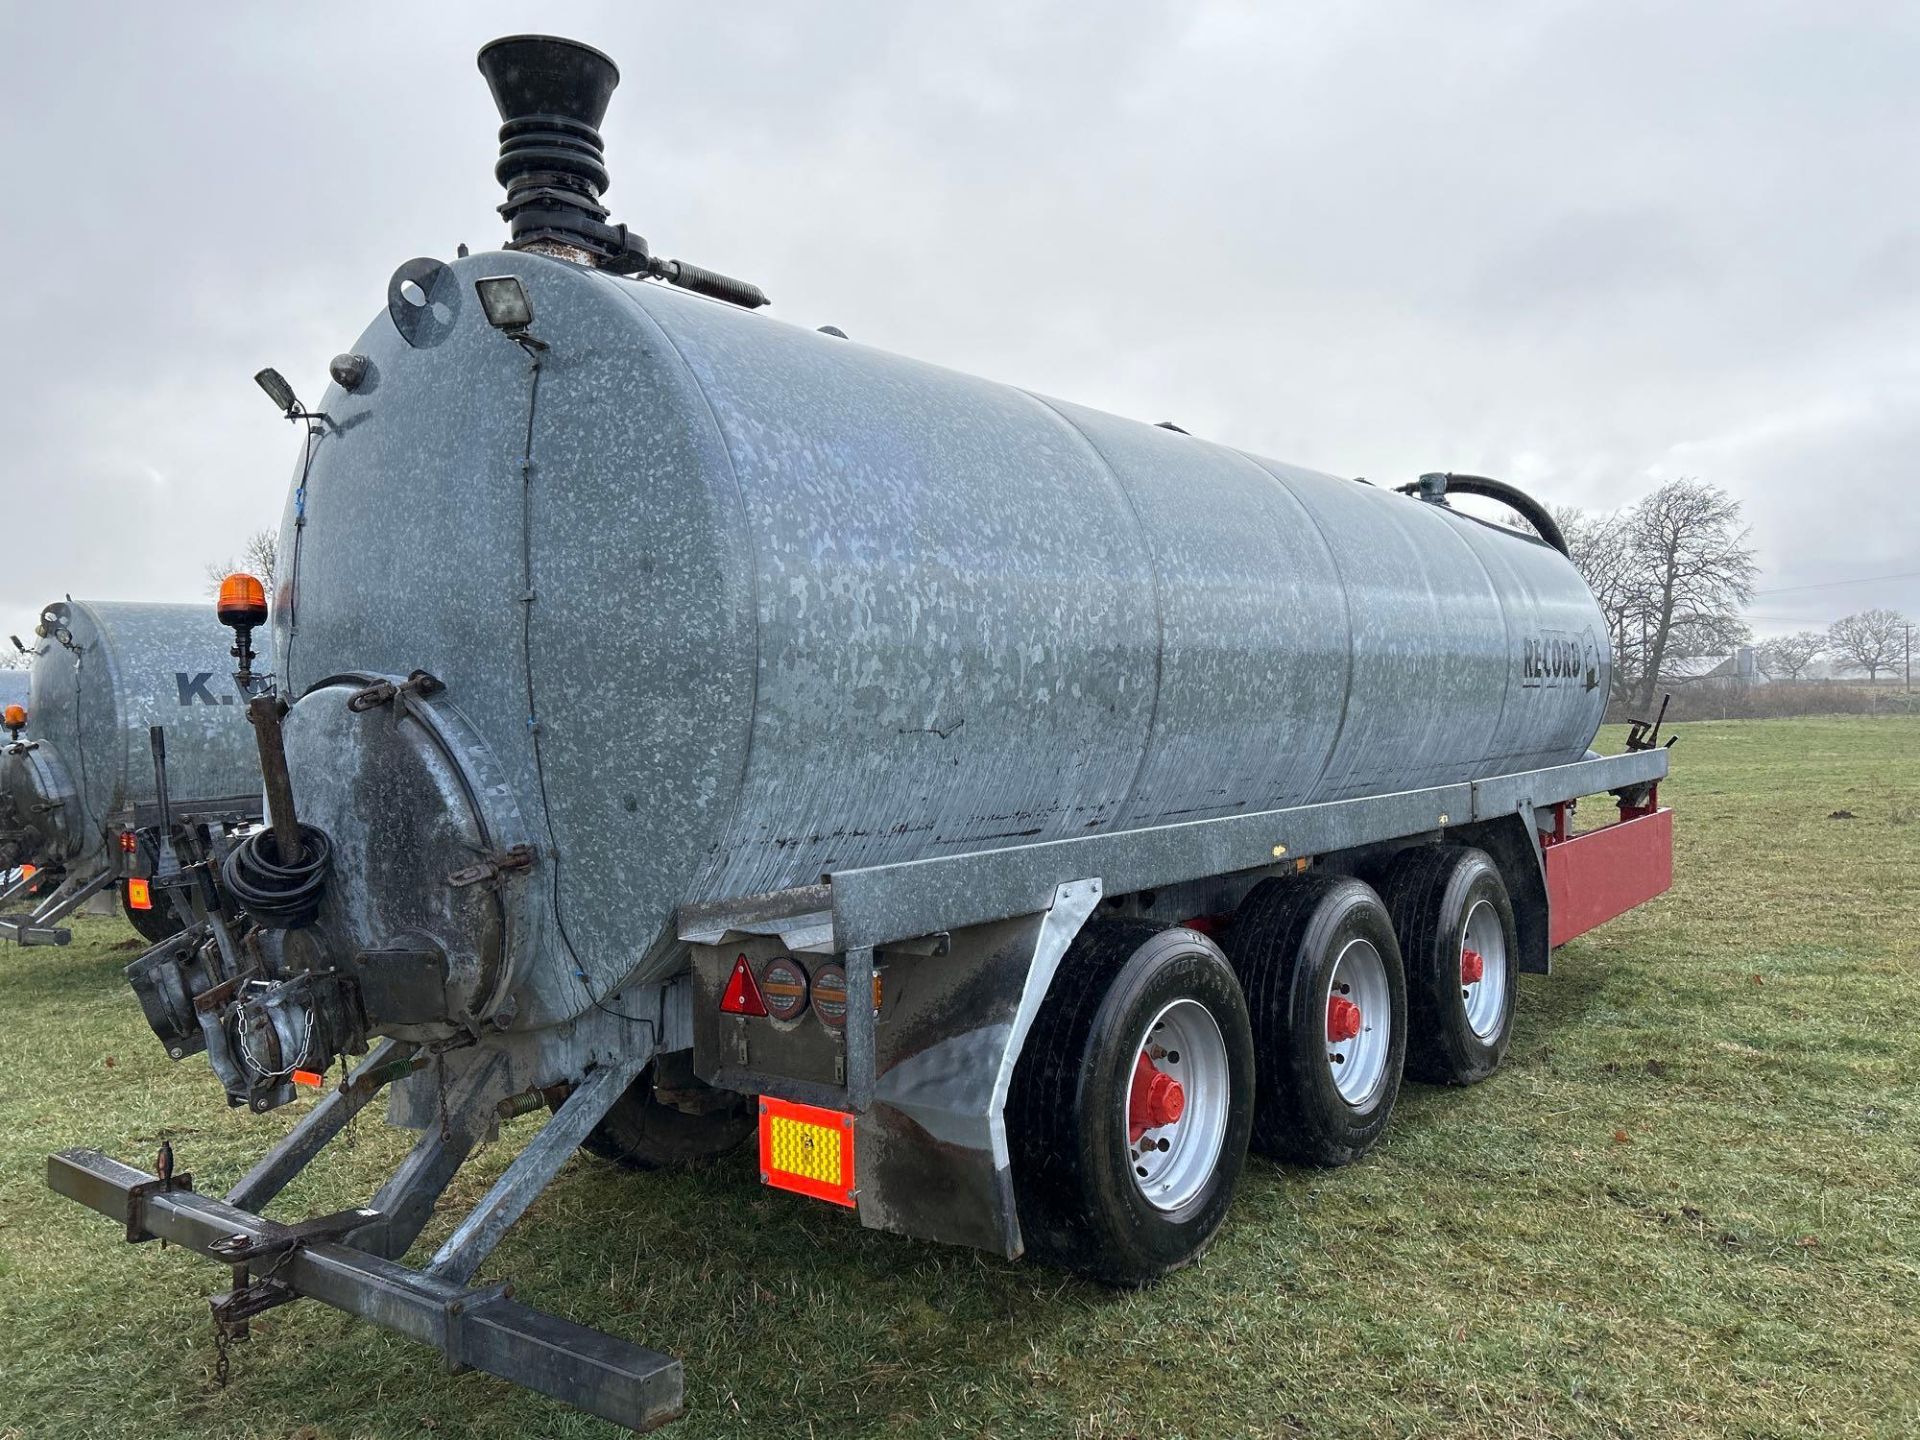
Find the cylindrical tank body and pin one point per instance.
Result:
(103, 673)
(733, 604)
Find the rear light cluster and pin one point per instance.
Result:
(129, 842)
(782, 989)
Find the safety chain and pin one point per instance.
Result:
(225, 1331)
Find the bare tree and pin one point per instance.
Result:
(1695, 570)
(1871, 641)
(257, 558)
(1602, 551)
(1669, 574)
(1788, 655)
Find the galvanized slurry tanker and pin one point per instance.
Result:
(697, 725)
(78, 787)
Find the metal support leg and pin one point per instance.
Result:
(407, 1200)
(482, 1329)
(38, 928)
(532, 1170)
(21, 885)
(279, 1165)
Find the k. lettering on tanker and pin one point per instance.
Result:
(202, 688)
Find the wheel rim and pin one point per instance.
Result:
(1174, 1114)
(1483, 969)
(1359, 1011)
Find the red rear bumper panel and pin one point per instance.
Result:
(1593, 877)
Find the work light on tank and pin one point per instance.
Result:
(278, 390)
(504, 299)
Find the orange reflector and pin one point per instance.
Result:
(807, 1150)
(27, 872)
(310, 1078)
(139, 894)
(743, 992)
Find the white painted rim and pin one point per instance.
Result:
(1485, 1000)
(1172, 1164)
(1359, 1065)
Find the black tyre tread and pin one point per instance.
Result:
(1265, 930)
(1264, 943)
(1046, 1086)
(153, 925)
(1047, 1101)
(641, 1133)
(1415, 886)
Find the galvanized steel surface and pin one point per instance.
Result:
(736, 605)
(120, 669)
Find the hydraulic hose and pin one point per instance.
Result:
(1523, 504)
(279, 897)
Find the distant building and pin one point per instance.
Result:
(1718, 672)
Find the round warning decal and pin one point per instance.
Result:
(783, 984)
(830, 995)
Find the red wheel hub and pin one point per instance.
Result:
(1155, 1099)
(1343, 1019)
(1472, 966)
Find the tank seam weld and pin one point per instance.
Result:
(714, 865)
(1506, 629)
(1124, 810)
(1346, 613)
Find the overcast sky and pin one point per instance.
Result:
(1585, 246)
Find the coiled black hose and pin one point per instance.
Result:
(279, 897)
(1528, 508)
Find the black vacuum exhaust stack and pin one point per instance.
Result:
(552, 95)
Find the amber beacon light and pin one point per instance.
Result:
(242, 608)
(243, 602)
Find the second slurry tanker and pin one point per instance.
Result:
(702, 727)
(79, 794)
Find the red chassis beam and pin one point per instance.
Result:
(1595, 876)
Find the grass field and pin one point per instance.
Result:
(1689, 1205)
